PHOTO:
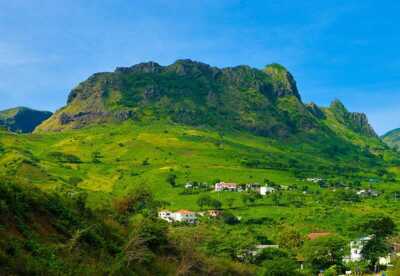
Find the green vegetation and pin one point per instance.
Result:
(82, 193)
(22, 119)
(392, 138)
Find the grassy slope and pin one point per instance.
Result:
(192, 154)
(195, 154)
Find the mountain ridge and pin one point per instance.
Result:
(22, 119)
(392, 138)
(265, 102)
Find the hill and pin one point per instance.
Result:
(264, 102)
(128, 142)
(22, 119)
(392, 138)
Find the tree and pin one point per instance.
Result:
(216, 204)
(229, 218)
(204, 200)
(379, 225)
(280, 266)
(290, 238)
(324, 252)
(171, 179)
(375, 248)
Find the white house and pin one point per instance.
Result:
(178, 216)
(368, 192)
(356, 248)
(222, 186)
(314, 179)
(166, 215)
(185, 216)
(264, 190)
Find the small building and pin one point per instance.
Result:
(368, 193)
(179, 216)
(214, 213)
(185, 216)
(222, 186)
(189, 185)
(356, 248)
(314, 179)
(264, 190)
(166, 215)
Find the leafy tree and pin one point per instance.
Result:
(280, 266)
(229, 218)
(216, 204)
(204, 200)
(380, 225)
(290, 238)
(171, 179)
(324, 252)
(375, 248)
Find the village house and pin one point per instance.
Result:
(166, 215)
(178, 216)
(314, 179)
(222, 186)
(189, 185)
(266, 190)
(368, 193)
(214, 213)
(356, 248)
(185, 216)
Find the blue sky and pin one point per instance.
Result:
(335, 49)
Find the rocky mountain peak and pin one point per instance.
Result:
(283, 81)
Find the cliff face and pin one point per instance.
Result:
(358, 122)
(22, 119)
(266, 102)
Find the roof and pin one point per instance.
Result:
(184, 212)
(316, 235)
(226, 184)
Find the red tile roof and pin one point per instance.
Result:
(316, 235)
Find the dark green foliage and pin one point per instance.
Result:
(280, 266)
(375, 248)
(206, 200)
(64, 157)
(171, 179)
(379, 225)
(324, 252)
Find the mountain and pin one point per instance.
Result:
(192, 93)
(392, 138)
(264, 102)
(22, 119)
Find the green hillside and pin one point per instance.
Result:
(22, 119)
(127, 143)
(392, 138)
